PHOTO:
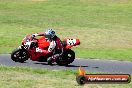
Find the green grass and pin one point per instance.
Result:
(103, 26)
(16, 77)
(109, 54)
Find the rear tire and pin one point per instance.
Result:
(19, 55)
(70, 55)
(67, 58)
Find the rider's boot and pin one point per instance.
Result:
(50, 60)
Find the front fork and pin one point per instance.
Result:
(23, 50)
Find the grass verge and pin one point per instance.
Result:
(16, 77)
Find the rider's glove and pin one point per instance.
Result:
(34, 35)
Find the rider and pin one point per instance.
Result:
(55, 46)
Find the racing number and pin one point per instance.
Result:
(71, 41)
(27, 45)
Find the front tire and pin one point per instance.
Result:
(19, 55)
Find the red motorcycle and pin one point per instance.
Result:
(27, 50)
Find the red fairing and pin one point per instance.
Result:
(25, 38)
(77, 42)
(43, 44)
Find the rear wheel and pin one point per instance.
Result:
(67, 58)
(19, 55)
(70, 55)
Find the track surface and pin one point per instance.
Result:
(109, 66)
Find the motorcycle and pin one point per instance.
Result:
(27, 50)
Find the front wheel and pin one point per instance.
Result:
(19, 55)
(67, 58)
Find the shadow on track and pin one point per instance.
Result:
(76, 66)
(43, 63)
(70, 66)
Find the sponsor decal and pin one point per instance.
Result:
(83, 78)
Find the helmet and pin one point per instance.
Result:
(50, 33)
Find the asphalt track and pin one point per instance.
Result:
(90, 65)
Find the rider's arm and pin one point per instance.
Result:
(52, 46)
(38, 34)
(41, 34)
